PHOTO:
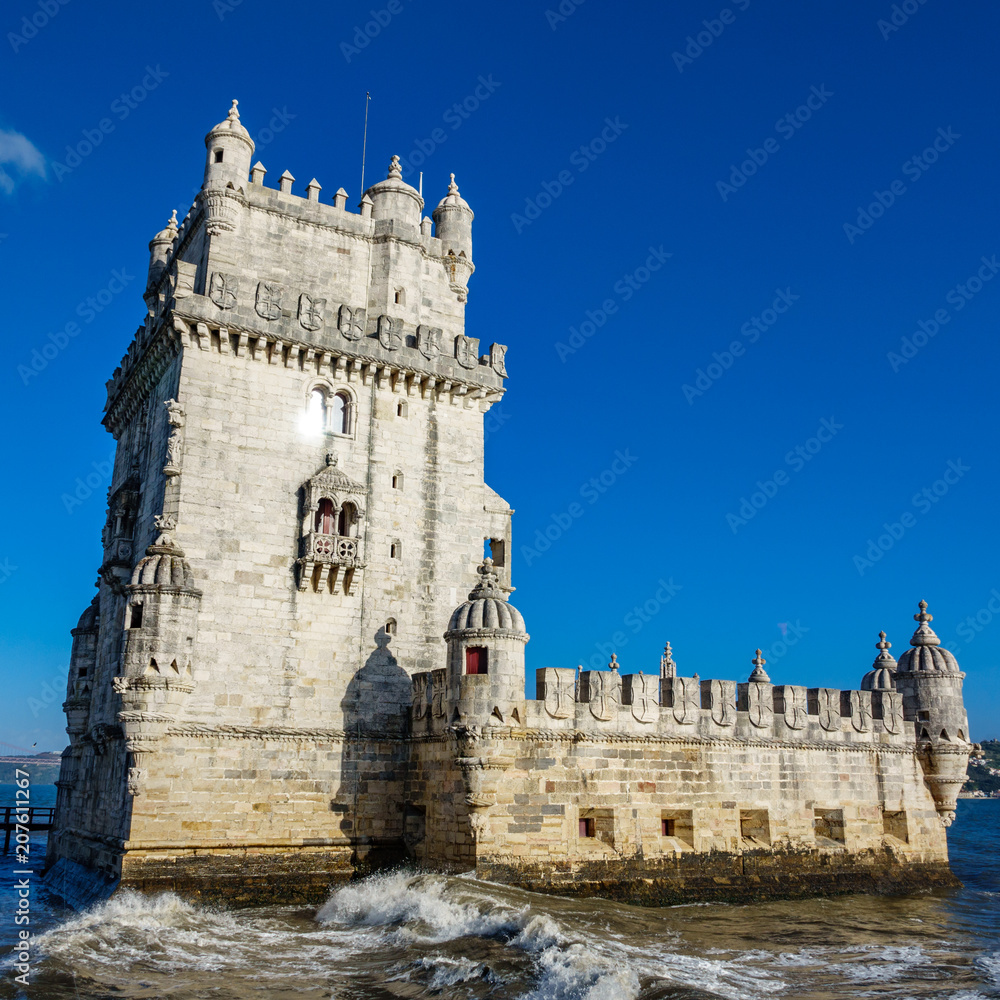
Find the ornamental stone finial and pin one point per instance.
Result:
(614, 664)
(395, 169)
(234, 115)
(883, 644)
(759, 675)
(667, 666)
(331, 458)
(452, 186)
(172, 221)
(924, 635)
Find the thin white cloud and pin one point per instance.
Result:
(18, 152)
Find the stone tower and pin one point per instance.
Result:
(297, 504)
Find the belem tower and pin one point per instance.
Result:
(299, 666)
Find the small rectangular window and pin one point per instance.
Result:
(135, 616)
(829, 826)
(587, 828)
(755, 826)
(476, 660)
(667, 827)
(498, 551)
(218, 156)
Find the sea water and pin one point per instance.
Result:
(413, 935)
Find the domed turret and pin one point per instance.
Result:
(882, 676)
(930, 680)
(159, 249)
(486, 638)
(229, 152)
(82, 667)
(163, 565)
(393, 198)
(453, 223)
(927, 653)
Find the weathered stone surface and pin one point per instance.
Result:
(278, 687)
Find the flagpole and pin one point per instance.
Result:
(364, 145)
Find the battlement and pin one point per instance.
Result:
(602, 703)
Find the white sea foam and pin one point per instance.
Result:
(405, 900)
(990, 964)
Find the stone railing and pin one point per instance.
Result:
(334, 550)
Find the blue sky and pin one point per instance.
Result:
(653, 184)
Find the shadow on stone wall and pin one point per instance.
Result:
(374, 760)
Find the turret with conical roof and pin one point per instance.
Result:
(930, 680)
(486, 638)
(394, 199)
(882, 676)
(229, 150)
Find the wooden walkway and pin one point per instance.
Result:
(39, 818)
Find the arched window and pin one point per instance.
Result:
(390, 627)
(397, 480)
(316, 412)
(346, 522)
(340, 422)
(400, 296)
(324, 517)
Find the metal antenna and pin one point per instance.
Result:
(364, 145)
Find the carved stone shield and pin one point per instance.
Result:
(643, 696)
(390, 333)
(467, 351)
(351, 323)
(268, 304)
(558, 684)
(429, 342)
(311, 312)
(437, 693)
(723, 702)
(605, 690)
(828, 703)
(687, 699)
(760, 706)
(796, 712)
(498, 355)
(223, 290)
(420, 685)
(892, 711)
(861, 710)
